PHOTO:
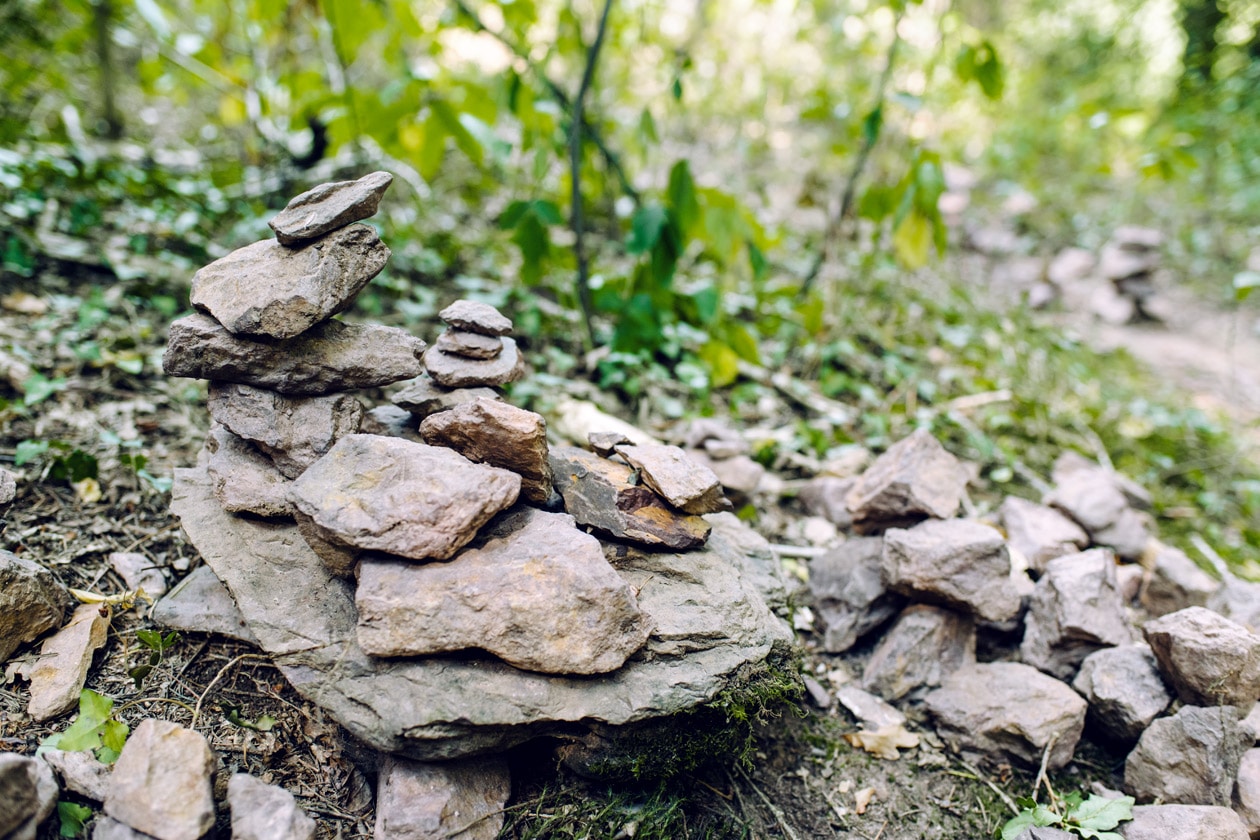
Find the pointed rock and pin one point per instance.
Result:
(925, 646)
(1124, 690)
(453, 371)
(954, 562)
(80, 772)
(687, 485)
(64, 660)
(422, 396)
(327, 207)
(32, 602)
(605, 444)
(457, 799)
(847, 585)
(481, 318)
(265, 812)
(1208, 659)
(1174, 582)
(915, 479)
(1191, 757)
(245, 480)
(1040, 533)
(161, 782)
(490, 431)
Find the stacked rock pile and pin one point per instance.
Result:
(1074, 636)
(1128, 262)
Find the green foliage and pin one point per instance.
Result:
(232, 714)
(72, 818)
(1091, 818)
(61, 461)
(157, 645)
(94, 729)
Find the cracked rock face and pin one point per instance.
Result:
(1183, 822)
(461, 799)
(490, 431)
(245, 479)
(925, 645)
(32, 602)
(1191, 757)
(1208, 659)
(327, 207)
(1124, 690)
(849, 592)
(686, 484)
(914, 480)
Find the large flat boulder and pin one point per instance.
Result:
(1183, 822)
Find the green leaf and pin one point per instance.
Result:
(161, 485)
(743, 343)
(980, 64)
(85, 732)
(872, 124)
(114, 735)
(232, 714)
(1099, 813)
(1037, 815)
(706, 302)
(29, 450)
(723, 363)
(681, 194)
(38, 388)
(1245, 282)
(811, 312)
(911, 240)
(76, 466)
(72, 817)
(645, 228)
(535, 244)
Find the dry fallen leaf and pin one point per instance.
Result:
(862, 800)
(88, 490)
(883, 742)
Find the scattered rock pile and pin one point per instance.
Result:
(1129, 261)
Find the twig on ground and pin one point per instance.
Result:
(806, 551)
(976, 775)
(222, 671)
(1041, 774)
(774, 809)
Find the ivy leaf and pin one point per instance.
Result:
(38, 388)
(872, 124)
(681, 194)
(1037, 815)
(1245, 282)
(723, 363)
(72, 817)
(29, 450)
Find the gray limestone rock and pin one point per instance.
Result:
(80, 772)
(1238, 600)
(409, 499)
(341, 560)
(245, 479)
(923, 647)
(1189, 758)
(453, 371)
(740, 476)
(1124, 690)
(604, 444)
(265, 812)
(104, 828)
(954, 562)
(138, 572)
(1183, 822)
(1208, 659)
(181, 806)
(200, 603)
(1040, 533)
(1174, 582)
(458, 799)
(469, 344)
(1102, 502)
(849, 593)
(1247, 791)
(481, 318)
(28, 793)
(915, 479)
(716, 438)
(8, 490)
(533, 590)
(269, 290)
(686, 484)
(826, 496)
(1045, 833)
(32, 602)
(422, 396)
(490, 431)
(332, 356)
(327, 207)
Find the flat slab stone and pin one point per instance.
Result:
(1183, 822)
(686, 484)
(426, 801)
(490, 431)
(476, 317)
(433, 708)
(954, 562)
(391, 421)
(469, 344)
(245, 479)
(453, 371)
(1208, 659)
(422, 396)
(32, 602)
(64, 660)
(328, 207)
(849, 594)
(1191, 757)
(409, 499)
(200, 603)
(161, 782)
(267, 289)
(914, 480)
(332, 356)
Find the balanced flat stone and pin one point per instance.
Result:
(534, 591)
(599, 493)
(490, 431)
(266, 289)
(161, 782)
(453, 371)
(914, 480)
(294, 431)
(332, 356)
(408, 499)
(1208, 659)
(1191, 757)
(605, 444)
(1124, 690)
(1039, 532)
(954, 562)
(476, 317)
(849, 594)
(327, 207)
(245, 480)
(469, 344)
(422, 396)
(457, 799)
(265, 812)
(710, 603)
(687, 485)
(32, 602)
(924, 646)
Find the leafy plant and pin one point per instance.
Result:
(94, 729)
(157, 645)
(62, 461)
(72, 818)
(1091, 818)
(232, 714)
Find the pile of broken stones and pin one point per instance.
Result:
(1119, 637)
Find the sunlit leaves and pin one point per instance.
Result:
(529, 222)
(93, 729)
(980, 64)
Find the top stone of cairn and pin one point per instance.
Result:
(328, 207)
(476, 318)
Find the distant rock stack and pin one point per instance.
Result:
(1129, 262)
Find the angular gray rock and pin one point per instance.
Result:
(1124, 690)
(268, 290)
(79, 772)
(534, 591)
(848, 592)
(716, 438)
(599, 493)
(712, 623)
(1190, 757)
(32, 602)
(1208, 659)
(1038, 532)
(245, 479)
(826, 496)
(604, 444)
(490, 431)
(341, 560)
(1183, 822)
(1101, 501)
(469, 344)
(104, 828)
(200, 603)
(327, 207)
(740, 476)
(1174, 582)
(1076, 608)
(481, 318)
(923, 647)
(1247, 791)
(915, 479)
(332, 356)
(458, 799)
(453, 371)
(181, 806)
(1009, 710)
(138, 572)
(409, 499)
(1238, 600)
(391, 421)
(687, 485)
(28, 794)
(64, 659)
(265, 812)
(422, 396)
(294, 431)
(954, 562)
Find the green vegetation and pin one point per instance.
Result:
(1091, 818)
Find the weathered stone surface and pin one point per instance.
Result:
(684, 483)
(914, 480)
(391, 421)
(711, 621)
(826, 496)
(598, 493)
(1190, 758)
(470, 344)
(953, 562)
(924, 646)
(1182, 822)
(457, 799)
(1069, 463)
(476, 317)
(1174, 582)
(422, 396)
(1208, 659)
(1008, 709)
(32, 602)
(1045, 833)
(79, 772)
(535, 591)
(716, 438)
(138, 572)
(409, 499)
(28, 793)
(294, 431)
(1238, 600)
(849, 593)
(265, 812)
(605, 444)
(200, 603)
(1124, 690)
(740, 476)
(341, 560)
(327, 207)
(1117, 263)
(1101, 501)
(332, 356)
(8, 490)
(64, 660)
(871, 711)
(268, 290)
(462, 372)
(161, 782)
(105, 828)
(1247, 791)
(1038, 532)
(489, 431)
(245, 479)
(1075, 609)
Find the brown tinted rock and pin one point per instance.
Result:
(79, 772)
(266, 289)
(1008, 710)
(422, 396)
(684, 483)
(849, 593)
(391, 421)
(740, 476)
(245, 480)
(914, 480)
(341, 560)
(409, 499)
(457, 799)
(327, 207)
(28, 793)
(489, 431)
(1075, 609)
(605, 444)
(476, 317)
(598, 493)
(178, 807)
(1208, 659)
(469, 344)
(1040, 533)
(332, 356)
(1247, 791)
(922, 648)
(1174, 583)
(294, 431)
(200, 603)
(1191, 757)
(1124, 690)
(826, 496)
(462, 372)
(265, 812)
(64, 660)
(1183, 822)
(954, 562)
(574, 616)
(32, 602)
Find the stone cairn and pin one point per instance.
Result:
(1128, 262)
